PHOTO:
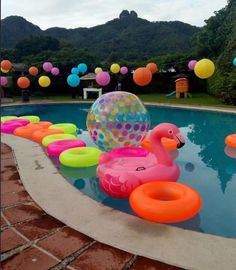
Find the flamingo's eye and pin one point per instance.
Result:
(170, 131)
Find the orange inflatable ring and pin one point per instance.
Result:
(38, 135)
(166, 202)
(169, 144)
(44, 124)
(27, 131)
(230, 140)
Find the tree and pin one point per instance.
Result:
(36, 45)
(217, 40)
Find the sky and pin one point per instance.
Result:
(87, 13)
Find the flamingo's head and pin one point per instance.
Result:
(167, 130)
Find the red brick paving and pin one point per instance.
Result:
(9, 199)
(58, 241)
(102, 257)
(11, 186)
(38, 228)
(29, 259)
(10, 240)
(8, 170)
(23, 212)
(7, 155)
(3, 222)
(7, 164)
(5, 149)
(65, 242)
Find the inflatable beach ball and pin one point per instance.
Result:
(117, 119)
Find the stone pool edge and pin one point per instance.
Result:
(57, 197)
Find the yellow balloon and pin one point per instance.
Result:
(204, 68)
(97, 70)
(44, 81)
(115, 68)
(4, 70)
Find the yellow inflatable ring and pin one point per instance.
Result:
(57, 137)
(80, 157)
(68, 128)
(31, 118)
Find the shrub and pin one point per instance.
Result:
(228, 95)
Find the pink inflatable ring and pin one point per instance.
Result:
(10, 125)
(54, 149)
(129, 151)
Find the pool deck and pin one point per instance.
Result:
(47, 224)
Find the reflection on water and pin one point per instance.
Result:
(206, 164)
(190, 224)
(74, 173)
(189, 167)
(230, 151)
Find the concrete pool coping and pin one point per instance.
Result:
(169, 244)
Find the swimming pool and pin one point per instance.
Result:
(202, 161)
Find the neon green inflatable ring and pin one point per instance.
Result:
(80, 157)
(56, 137)
(6, 118)
(31, 118)
(66, 127)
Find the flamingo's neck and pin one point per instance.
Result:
(161, 154)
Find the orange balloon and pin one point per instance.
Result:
(152, 67)
(33, 71)
(142, 76)
(4, 71)
(23, 82)
(6, 64)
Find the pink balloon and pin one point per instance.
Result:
(103, 78)
(47, 66)
(55, 71)
(191, 64)
(3, 80)
(123, 70)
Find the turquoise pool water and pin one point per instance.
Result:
(203, 161)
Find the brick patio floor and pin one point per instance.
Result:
(33, 240)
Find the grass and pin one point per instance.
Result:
(201, 99)
(196, 99)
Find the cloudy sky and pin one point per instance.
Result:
(87, 13)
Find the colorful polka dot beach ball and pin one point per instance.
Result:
(117, 119)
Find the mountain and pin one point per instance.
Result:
(121, 38)
(16, 28)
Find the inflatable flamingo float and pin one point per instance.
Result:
(119, 176)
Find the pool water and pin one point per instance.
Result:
(204, 161)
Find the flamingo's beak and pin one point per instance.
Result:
(179, 139)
